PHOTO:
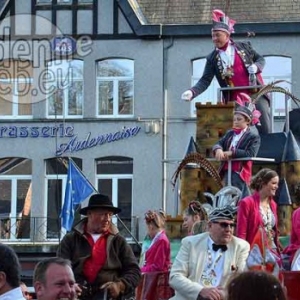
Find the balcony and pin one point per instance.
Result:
(43, 230)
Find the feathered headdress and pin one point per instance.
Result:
(245, 106)
(222, 22)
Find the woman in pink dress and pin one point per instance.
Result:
(260, 210)
(157, 257)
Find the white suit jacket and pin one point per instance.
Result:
(191, 259)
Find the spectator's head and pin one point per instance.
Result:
(258, 285)
(9, 269)
(53, 279)
(192, 214)
(99, 212)
(221, 223)
(266, 181)
(155, 221)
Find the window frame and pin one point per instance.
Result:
(115, 82)
(15, 81)
(58, 177)
(13, 215)
(115, 189)
(66, 91)
(211, 91)
(213, 88)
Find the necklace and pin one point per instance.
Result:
(209, 277)
(227, 58)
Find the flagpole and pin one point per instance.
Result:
(119, 219)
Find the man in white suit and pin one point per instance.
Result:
(205, 261)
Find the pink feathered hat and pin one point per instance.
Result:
(222, 22)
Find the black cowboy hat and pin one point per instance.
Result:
(99, 201)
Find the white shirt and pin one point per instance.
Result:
(227, 56)
(15, 294)
(214, 264)
(236, 138)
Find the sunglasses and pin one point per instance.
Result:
(225, 224)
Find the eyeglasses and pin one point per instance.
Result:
(225, 224)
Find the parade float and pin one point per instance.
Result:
(197, 173)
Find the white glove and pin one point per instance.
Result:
(252, 69)
(187, 95)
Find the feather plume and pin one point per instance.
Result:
(274, 88)
(218, 15)
(203, 163)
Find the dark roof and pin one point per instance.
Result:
(294, 122)
(267, 148)
(283, 195)
(291, 149)
(192, 147)
(3, 4)
(199, 12)
(181, 18)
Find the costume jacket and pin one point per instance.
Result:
(191, 260)
(294, 244)
(121, 264)
(249, 218)
(158, 256)
(247, 146)
(214, 67)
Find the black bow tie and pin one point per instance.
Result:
(217, 247)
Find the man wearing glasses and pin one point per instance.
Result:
(205, 261)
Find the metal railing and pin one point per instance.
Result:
(31, 230)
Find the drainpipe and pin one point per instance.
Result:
(166, 47)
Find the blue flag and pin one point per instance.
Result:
(78, 188)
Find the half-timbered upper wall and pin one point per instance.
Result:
(98, 18)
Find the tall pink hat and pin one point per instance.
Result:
(221, 22)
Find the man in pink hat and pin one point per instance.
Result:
(234, 64)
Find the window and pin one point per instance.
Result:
(278, 68)
(64, 86)
(115, 88)
(114, 178)
(15, 89)
(56, 179)
(63, 1)
(211, 94)
(15, 198)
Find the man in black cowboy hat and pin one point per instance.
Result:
(102, 261)
(205, 261)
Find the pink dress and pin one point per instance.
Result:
(158, 255)
(295, 235)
